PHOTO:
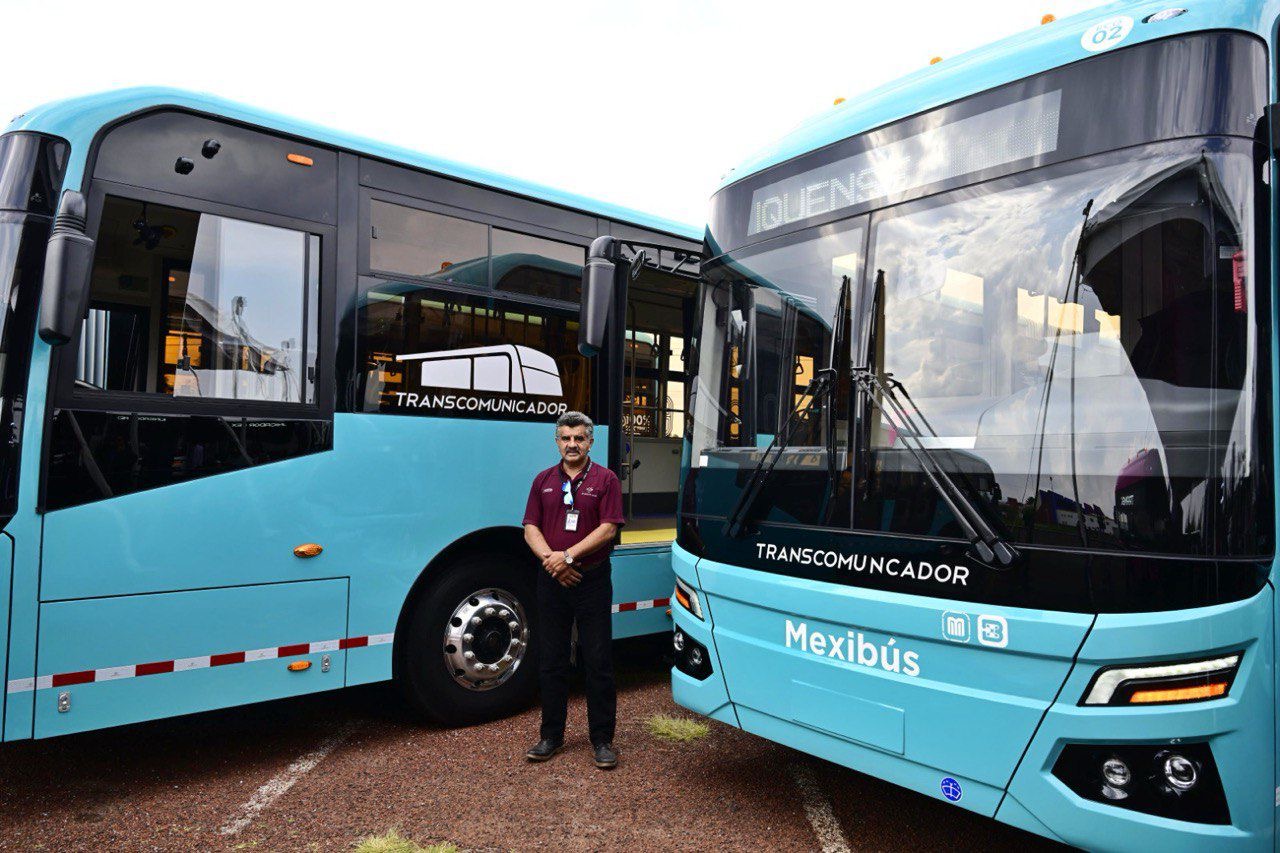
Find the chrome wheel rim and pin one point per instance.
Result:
(485, 639)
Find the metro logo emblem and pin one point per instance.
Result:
(501, 369)
(956, 627)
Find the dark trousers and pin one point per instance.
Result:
(589, 605)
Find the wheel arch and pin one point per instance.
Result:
(489, 540)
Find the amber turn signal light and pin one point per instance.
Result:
(299, 665)
(1179, 694)
(309, 549)
(300, 159)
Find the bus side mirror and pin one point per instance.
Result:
(598, 282)
(64, 295)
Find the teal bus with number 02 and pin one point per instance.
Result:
(273, 397)
(979, 486)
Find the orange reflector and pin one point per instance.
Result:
(299, 665)
(1047, 19)
(839, 101)
(309, 549)
(1179, 694)
(935, 60)
(300, 159)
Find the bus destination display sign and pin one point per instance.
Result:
(1017, 131)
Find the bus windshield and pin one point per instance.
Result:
(1080, 341)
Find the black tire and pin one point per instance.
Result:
(424, 674)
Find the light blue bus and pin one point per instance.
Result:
(273, 396)
(979, 491)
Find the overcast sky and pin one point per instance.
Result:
(644, 103)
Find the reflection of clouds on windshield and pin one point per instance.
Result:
(1022, 239)
(980, 311)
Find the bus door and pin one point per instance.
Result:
(183, 568)
(659, 311)
(655, 307)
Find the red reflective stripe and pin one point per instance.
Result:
(623, 608)
(224, 659)
(66, 678)
(661, 602)
(153, 668)
(353, 642)
(295, 649)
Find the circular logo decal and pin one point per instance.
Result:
(951, 789)
(1106, 34)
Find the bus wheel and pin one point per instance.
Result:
(468, 657)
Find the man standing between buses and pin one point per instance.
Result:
(570, 522)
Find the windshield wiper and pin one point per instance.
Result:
(986, 543)
(819, 388)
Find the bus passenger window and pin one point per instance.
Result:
(537, 267)
(188, 304)
(422, 244)
(430, 352)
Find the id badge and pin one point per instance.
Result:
(571, 521)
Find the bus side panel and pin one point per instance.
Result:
(6, 591)
(1238, 729)
(641, 583)
(110, 661)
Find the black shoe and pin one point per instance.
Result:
(606, 758)
(544, 749)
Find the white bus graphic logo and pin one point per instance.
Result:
(503, 368)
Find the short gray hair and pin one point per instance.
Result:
(575, 419)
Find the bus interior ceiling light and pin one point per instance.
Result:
(1164, 683)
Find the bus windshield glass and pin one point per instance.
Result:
(1080, 341)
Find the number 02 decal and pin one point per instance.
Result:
(1106, 34)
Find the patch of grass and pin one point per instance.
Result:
(676, 729)
(393, 842)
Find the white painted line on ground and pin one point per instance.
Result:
(817, 807)
(279, 784)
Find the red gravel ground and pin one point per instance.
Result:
(171, 785)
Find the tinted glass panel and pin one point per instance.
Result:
(538, 267)
(31, 170)
(97, 455)
(767, 327)
(1102, 401)
(424, 244)
(189, 304)
(428, 352)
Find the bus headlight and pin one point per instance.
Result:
(1164, 684)
(1179, 781)
(688, 598)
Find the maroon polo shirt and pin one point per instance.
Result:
(597, 498)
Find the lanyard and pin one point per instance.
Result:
(567, 486)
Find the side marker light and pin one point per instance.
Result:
(300, 159)
(299, 665)
(935, 60)
(1047, 19)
